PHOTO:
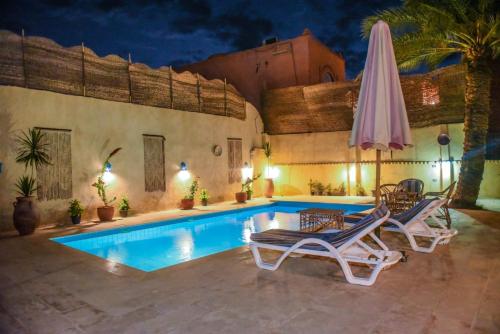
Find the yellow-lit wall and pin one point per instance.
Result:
(323, 156)
(99, 126)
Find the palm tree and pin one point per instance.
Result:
(427, 32)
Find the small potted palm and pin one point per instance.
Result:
(26, 213)
(187, 203)
(32, 152)
(105, 212)
(248, 186)
(124, 207)
(75, 211)
(204, 197)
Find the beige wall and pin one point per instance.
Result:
(99, 126)
(322, 157)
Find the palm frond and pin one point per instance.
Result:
(32, 149)
(431, 57)
(26, 185)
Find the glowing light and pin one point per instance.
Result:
(246, 172)
(108, 177)
(446, 170)
(272, 172)
(246, 234)
(352, 173)
(184, 175)
(430, 93)
(186, 246)
(274, 223)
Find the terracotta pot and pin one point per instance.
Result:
(26, 215)
(123, 213)
(187, 204)
(105, 213)
(269, 188)
(204, 202)
(76, 219)
(240, 197)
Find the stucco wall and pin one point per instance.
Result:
(99, 126)
(291, 62)
(322, 157)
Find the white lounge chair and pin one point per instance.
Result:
(344, 246)
(412, 223)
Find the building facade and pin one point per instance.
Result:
(302, 60)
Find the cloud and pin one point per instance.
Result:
(234, 26)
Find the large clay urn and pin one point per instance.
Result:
(26, 215)
(241, 197)
(105, 213)
(269, 188)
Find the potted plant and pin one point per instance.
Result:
(32, 152)
(124, 207)
(328, 190)
(75, 211)
(26, 213)
(248, 186)
(360, 191)
(105, 212)
(204, 197)
(187, 203)
(340, 191)
(241, 196)
(311, 185)
(269, 185)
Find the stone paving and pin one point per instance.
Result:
(48, 288)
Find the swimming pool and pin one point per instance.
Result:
(153, 246)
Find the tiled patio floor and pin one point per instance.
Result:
(48, 288)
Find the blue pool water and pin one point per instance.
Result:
(162, 244)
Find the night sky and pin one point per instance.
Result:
(177, 32)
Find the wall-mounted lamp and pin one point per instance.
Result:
(246, 172)
(107, 167)
(107, 176)
(183, 173)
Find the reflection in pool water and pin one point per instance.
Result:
(154, 246)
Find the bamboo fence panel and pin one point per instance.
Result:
(49, 66)
(150, 87)
(11, 59)
(40, 63)
(106, 78)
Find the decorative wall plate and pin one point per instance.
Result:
(217, 150)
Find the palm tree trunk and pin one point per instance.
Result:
(477, 109)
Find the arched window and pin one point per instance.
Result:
(327, 77)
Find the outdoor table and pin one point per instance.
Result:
(314, 219)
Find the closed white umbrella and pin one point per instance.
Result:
(380, 121)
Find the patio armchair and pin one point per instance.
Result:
(344, 246)
(404, 195)
(444, 210)
(412, 186)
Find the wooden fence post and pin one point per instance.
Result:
(24, 64)
(225, 97)
(198, 91)
(83, 70)
(129, 78)
(171, 87)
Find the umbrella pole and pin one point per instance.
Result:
(377, 186)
